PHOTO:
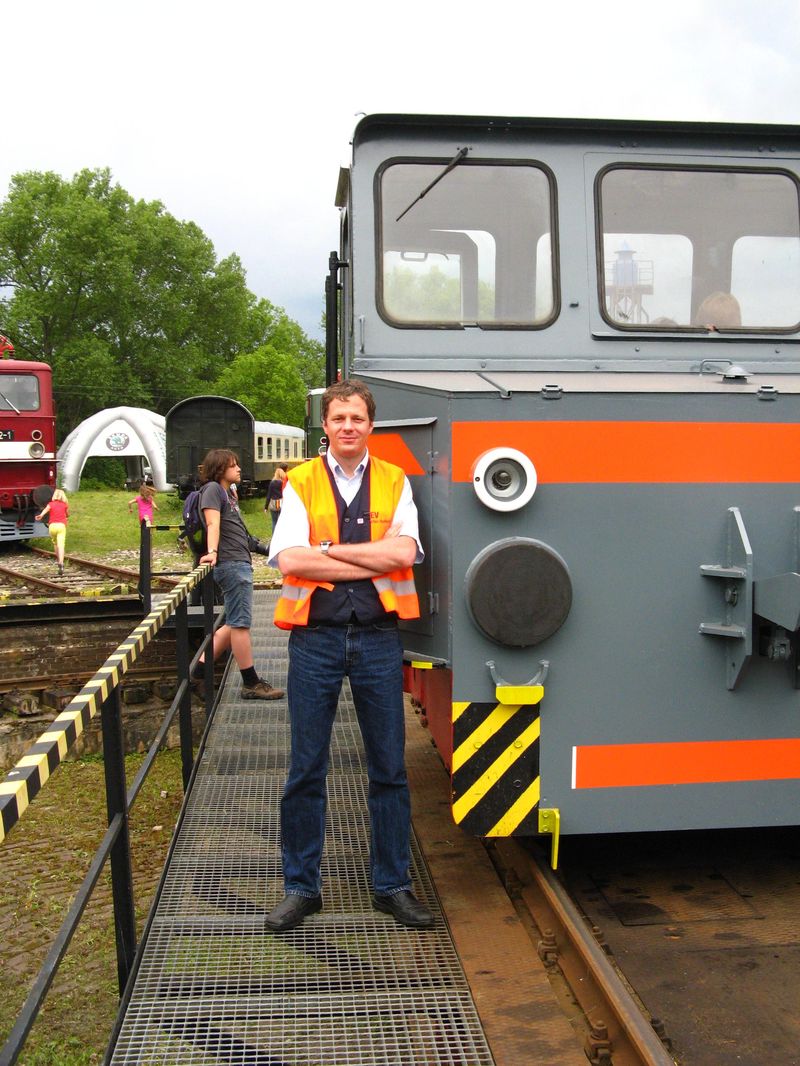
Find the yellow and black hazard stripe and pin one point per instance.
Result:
(20, 785)
(495, 771)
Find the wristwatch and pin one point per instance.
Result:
(325, 546)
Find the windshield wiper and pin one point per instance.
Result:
(10, 404)
(453, 163)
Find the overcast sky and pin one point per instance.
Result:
(238, 115)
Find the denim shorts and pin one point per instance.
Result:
(235, 580)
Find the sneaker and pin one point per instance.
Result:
(60, 570)
(261, 691)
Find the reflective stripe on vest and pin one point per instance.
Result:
(396, 590)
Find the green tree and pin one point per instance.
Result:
(268, 383)
(285, 335)
(128, 304)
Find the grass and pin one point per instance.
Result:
(45, 857)
(99, 522)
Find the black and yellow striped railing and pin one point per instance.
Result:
(27, 778)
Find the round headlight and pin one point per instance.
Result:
(504, 479)
(36, 450)
(36, 434)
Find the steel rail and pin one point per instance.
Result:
(112, 571)
(28, 579)
(619, 1031)
(39, 682)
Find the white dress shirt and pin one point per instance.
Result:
(293, 528)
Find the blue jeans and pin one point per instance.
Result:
(319, 659)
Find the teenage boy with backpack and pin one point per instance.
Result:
(228, 551)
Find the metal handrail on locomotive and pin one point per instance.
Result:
(196, 425)
(582, 337)
(27, 444)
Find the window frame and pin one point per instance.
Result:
(439, 161)
(599, 232)
(17, 375)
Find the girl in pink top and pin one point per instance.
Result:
(58, 510)
(146, 504)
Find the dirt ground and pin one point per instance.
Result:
(44, 860)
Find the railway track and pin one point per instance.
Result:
(677, 947)
(618, 1029)
(30, 573)
(75, 680)
(33, 572)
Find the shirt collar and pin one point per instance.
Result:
(339, 473)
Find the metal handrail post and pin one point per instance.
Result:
(145, 567)
(117, 804)
(185, 712)
(332, 288)
(208, 630)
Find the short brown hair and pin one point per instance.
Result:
(719, 310)
(343, 390)
(216, 463)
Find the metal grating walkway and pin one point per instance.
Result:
(350, 985)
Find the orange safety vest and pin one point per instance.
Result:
(396, 590)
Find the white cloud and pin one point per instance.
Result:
(238, 117)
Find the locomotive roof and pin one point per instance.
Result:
(499, 124)
(23, 366)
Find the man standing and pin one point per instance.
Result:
(345, 544)
(229, 554)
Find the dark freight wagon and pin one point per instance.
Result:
(200, 423)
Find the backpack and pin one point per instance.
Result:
(193, 526)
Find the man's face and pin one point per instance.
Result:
(347, 427)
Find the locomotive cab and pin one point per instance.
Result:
(582, 338)
(27, 447)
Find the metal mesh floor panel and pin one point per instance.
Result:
(350, 985)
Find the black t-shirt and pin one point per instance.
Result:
(274, 491)
(233, 543)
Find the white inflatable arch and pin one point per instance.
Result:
(124, 432)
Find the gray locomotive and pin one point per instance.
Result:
(582, 337)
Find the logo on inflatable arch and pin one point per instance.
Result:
(117, 442)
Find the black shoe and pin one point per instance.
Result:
(406, 908)
(291, 911)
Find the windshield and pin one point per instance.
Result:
(477, 250)
(19, 392)
(699, 248)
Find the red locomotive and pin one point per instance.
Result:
(27, 444)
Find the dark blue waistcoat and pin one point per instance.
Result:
(350, 601)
